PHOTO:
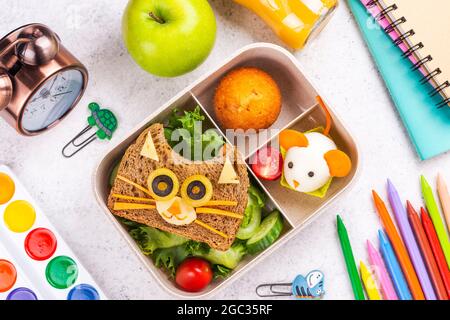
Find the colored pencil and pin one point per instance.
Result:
(444, 196)
(349, 260)
(436, 218)
(369, 282)
(386, 286)
(424, 245)
(400, 250)
(410, 242)
(392, 265)
(436, 248)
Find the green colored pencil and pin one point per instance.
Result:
(432, 207)
(349, 260)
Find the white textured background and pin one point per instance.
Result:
(338, 62)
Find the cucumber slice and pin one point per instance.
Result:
(252, 220)
(266, 234)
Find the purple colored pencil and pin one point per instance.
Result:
(410, 242)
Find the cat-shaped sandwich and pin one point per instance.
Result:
(201, 200)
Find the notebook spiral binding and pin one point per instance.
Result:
(401, 39)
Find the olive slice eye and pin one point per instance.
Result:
(163, 184)
(196, 190)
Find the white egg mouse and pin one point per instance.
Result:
(312, 161)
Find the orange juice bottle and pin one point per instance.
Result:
(294, 21)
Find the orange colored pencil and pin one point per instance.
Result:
(427, 254)
(399, 248)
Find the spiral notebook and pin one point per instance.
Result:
(425, 25)
(427, 125)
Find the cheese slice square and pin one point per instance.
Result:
(149, 150)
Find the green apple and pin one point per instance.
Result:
(169, 38)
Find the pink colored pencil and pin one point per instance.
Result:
(444, 196)
(377, 263)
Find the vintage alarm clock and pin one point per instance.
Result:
(40, 80)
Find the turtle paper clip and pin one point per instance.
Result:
(302, 288)
(102, 120)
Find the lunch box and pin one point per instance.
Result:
(300, 111)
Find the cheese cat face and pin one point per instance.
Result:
(176, 211)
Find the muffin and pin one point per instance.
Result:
(247, 98)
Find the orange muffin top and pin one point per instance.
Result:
(247, 98)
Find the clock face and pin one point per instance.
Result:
(52, 100)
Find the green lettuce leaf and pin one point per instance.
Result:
(197, 248)
(150, 239)
(190, 118)
(185, 120)
(128, 223)
(169, 250)
(168, 134)
(170, 258)
(212, 141)
(221, 272)
(188, 134)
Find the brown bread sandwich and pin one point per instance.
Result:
(201, 200)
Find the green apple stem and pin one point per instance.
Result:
(156, 18)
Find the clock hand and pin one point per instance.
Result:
(62, 93)
(53, 82)
(36, 98)
(41, 95)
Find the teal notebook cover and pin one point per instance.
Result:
(428, 126)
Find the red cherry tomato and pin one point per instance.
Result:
(267, 163)
(193, 274)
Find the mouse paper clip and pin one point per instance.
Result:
(312, 159)
(103, 121)
(310, 287)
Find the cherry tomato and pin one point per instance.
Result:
(267, 163)
(193, 274)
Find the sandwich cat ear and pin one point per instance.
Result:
(148, 149)
(338, 162)
(228, 174)
(292, 138)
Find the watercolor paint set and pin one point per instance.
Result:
(35, 262)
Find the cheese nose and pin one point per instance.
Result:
(296, 184)
(174, 209)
